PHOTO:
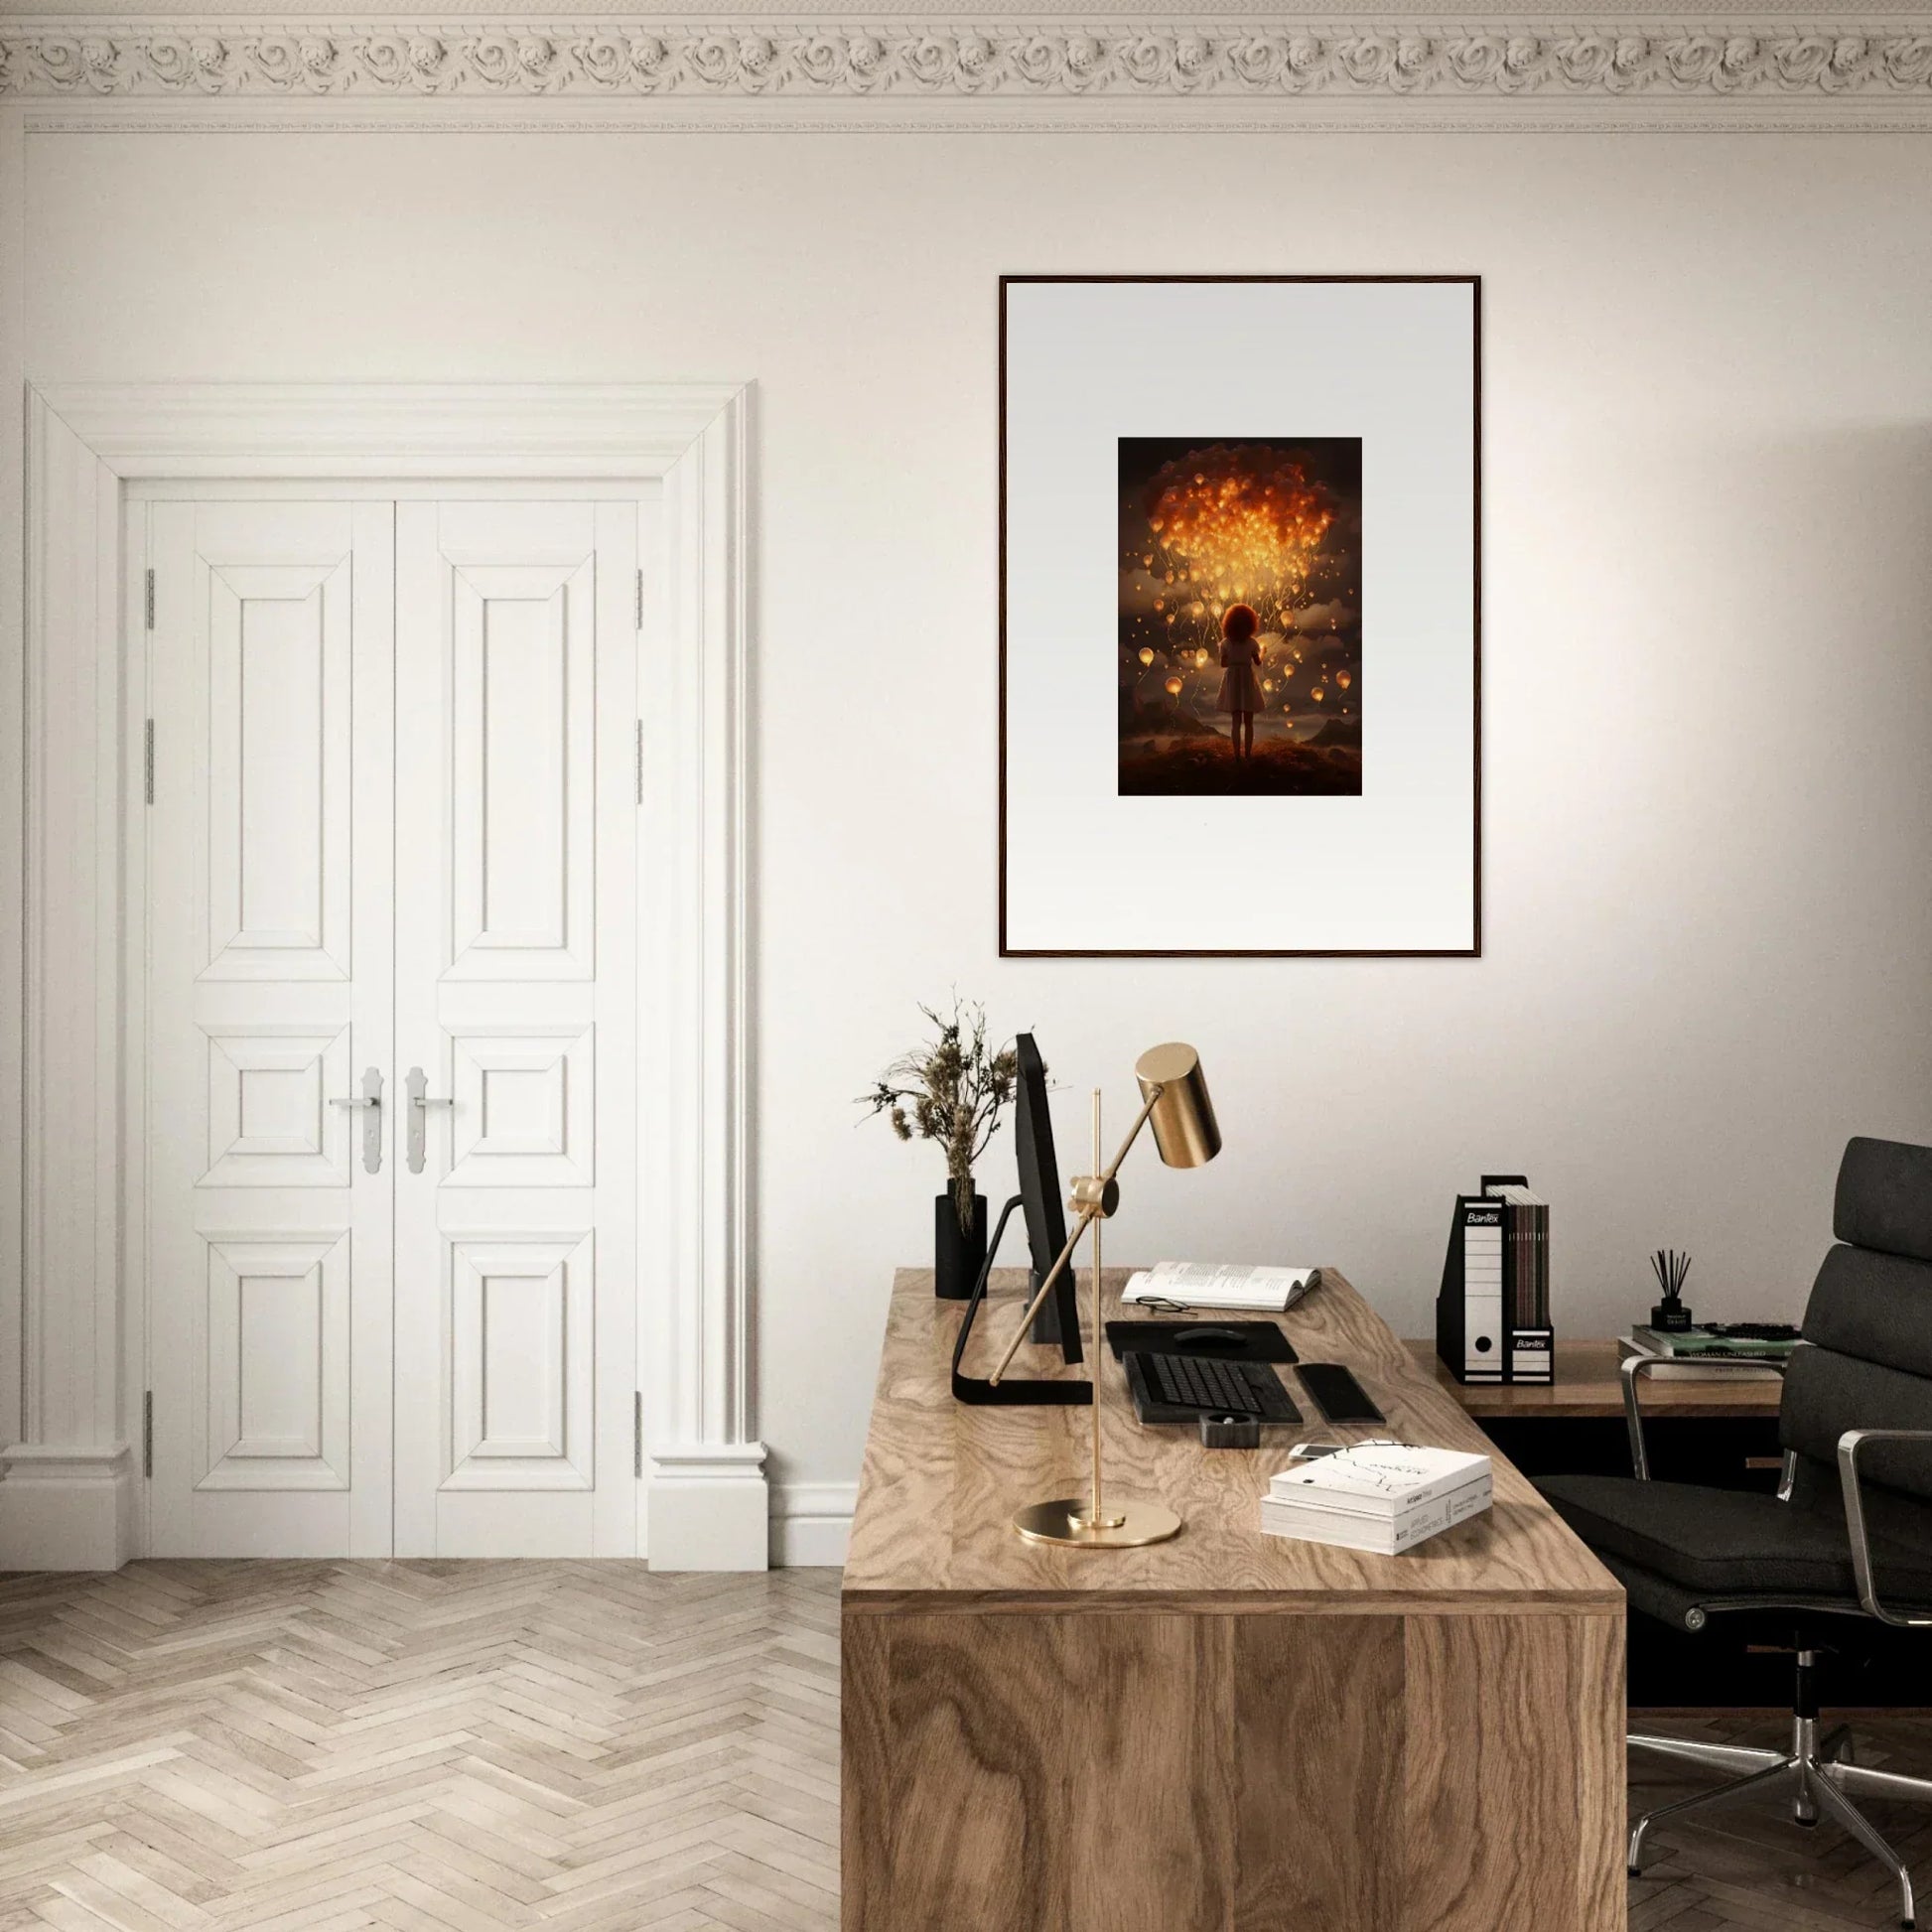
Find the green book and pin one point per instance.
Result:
(1701, 1341)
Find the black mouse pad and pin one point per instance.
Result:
(1226, 1342)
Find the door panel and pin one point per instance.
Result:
(270, 1122)
(522, 1367)
(278, 1358)
(522, 693)
(515, 1242)
(278, 783)
(269, 900)
(525, 1107)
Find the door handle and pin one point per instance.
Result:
(420, 1102)
(371, 1100)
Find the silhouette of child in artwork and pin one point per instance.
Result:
(1241, 686)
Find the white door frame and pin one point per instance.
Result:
(69, 1476)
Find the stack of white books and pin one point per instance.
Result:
(1379, 1497)
(1211, 1285)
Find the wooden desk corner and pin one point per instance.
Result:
(1227, 1733)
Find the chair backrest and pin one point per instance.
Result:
(1868, 1324)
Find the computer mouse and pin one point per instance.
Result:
(1208, 1337)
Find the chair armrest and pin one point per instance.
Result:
(1634, 1367)
(1849, 1446)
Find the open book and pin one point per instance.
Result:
(1209, 1285)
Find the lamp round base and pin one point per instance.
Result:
(1064, 1521)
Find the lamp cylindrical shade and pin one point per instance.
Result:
(1184, 1128)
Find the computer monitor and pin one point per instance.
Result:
(1039, 1195)
(1039, 1199)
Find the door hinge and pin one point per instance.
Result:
(638, 1433)
(640, 601)
(147, 761)
(149, 600)
(641, 761)
(147, 1433)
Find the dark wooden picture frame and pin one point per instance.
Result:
(1474, 948)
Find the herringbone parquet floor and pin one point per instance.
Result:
(456, 1747)
(315, 1746)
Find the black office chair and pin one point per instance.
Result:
(1849, 1535)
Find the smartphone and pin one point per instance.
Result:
(1338, 1394)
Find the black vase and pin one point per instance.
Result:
(957, 1258)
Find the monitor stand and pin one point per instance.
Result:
(1047, 1324)
(1011, 1391)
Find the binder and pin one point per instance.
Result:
(1493, 1316)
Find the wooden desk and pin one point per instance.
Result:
(1227, 1732)
(1588, 1385)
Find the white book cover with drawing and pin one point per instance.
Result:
(1378, 1478)
(1385, 1535)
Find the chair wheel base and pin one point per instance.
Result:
(1814, 1788)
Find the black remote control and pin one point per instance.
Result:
(1338, 1394)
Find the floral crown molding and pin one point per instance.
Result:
(1236, 71)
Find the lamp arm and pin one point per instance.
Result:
(1088, 1215)
(1132, 1133)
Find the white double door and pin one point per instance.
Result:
(390, 860)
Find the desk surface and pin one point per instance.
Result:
(1588, 1384)
(941, 1480)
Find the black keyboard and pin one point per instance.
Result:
(1211, 1387)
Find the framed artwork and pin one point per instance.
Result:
(1240, 615)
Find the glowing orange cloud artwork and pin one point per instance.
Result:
(1238, 641)
(1247, 520)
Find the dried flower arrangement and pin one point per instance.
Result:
(953, 1091)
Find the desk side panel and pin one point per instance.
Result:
(1514, 1791)
(1152, 1795)
(865, 1774)
(1318, 1729)
(1154, 1772)
(956, 1780)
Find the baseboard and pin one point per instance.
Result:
(811, 1523)
(709, 1510)
(64, 1508)
(73, 1509)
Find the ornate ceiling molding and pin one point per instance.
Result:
(1835, 74)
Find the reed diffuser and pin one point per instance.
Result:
(1670, 1314)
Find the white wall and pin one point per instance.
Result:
(1707, 792)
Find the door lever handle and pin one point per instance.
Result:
(371, 1100)
(420, 1102)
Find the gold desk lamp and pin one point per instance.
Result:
(1174, 1101)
